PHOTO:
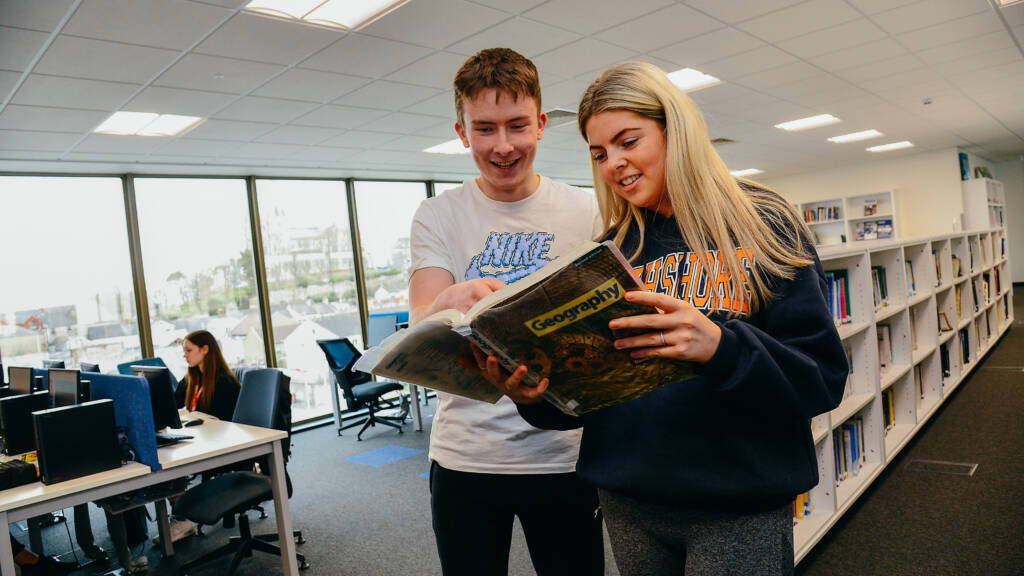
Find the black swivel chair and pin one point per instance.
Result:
(358, 387)
(234, 493)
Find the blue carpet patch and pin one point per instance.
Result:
(383, 456)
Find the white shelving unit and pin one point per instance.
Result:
(984, 204)
(850, 219)
(927, 361)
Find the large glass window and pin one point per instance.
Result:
(442, 187)
(200, 273)
(385, 215)
(307, 247)
(67, 288)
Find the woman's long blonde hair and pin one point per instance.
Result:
(709, 207)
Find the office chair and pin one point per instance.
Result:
(234, 493)
(357, 387)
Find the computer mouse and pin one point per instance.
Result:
(194, 422)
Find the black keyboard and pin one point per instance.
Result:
(166, 438)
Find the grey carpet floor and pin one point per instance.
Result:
(362, 520)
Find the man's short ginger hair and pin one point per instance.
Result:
(502, 69)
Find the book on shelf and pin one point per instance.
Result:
(959, 297)
(970, 254)
(838, 286)
(870, 206)
(911, 283)
(965, 347)
(884, 333)
(884, 229)
(888, 409)
(870, 230)
(974, 294)
(943, 320)
(881, 294)
(944, 360)
(913, 330)
(938, 268)
(956, 265)
(919, 380)
(801, 507)
(554, 321)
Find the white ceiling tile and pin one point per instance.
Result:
(661, 28)
(854, 33)
(386, 95)
(310, 85)
(178, 101)
(325, 154)
(28, 140)
(252, 37)
(799, 20)
(789, 74)
(585, 54)
(436, 71)
(365, 56)
(599, 14)
(16, 117)
(1014, 15)
(18, 47)
(881, 69)
(763, 108)
(951, 31)
(443, 131)
(927, 13)
(739, 10)
(403, 123)
(197, 147)
(33, 14)
(711, 46)
(408, 144)
(7, 81)
(430, 22)
(101, 60)
(980, 61)
(565, 94)
(225, 3)
(719, 93)
(259, 150)
(42, 90)
(216, 74)
(915, 78)
(528, 37)
(229, 130)
(130, 145)
(338, 117)
(860, 55)
(738, 66)
(442, 105)
(305, 135)
(172, 24)
(257, 109)
(992, 42)
(876, 6)
(357, 139)
(513, 7)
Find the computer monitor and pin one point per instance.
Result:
(161, 395)
(88, 367)
(20, 379)
(66, 388)
(47, 364)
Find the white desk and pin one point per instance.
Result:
(216, 444)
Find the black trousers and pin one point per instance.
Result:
(473, 516)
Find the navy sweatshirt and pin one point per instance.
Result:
(736, 436)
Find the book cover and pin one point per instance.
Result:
(870, 206)
(554, 321)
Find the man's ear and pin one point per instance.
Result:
(462, 134)
(542, 121)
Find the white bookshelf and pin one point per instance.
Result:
(836, 221)
(984, 204)
(927, 363)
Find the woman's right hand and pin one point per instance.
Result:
(512, 384)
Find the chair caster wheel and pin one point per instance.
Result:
(304, 565)
(299, 541)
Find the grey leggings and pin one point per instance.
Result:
(659, 540)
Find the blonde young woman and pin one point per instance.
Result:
(698, 477)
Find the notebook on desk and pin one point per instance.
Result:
(167, 438)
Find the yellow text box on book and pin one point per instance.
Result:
(593, 301)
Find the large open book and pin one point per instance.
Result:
(554, 321)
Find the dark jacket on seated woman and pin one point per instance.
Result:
(225, 396)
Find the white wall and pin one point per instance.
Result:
(1011, 174)
(927, 187)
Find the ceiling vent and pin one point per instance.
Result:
(560, 117)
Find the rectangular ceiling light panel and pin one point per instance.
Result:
(856, 136)
(808, 123)
(450, 147)
(690, 80)
(146, 124)
(893, 146)
(345, 14)
(746, 172)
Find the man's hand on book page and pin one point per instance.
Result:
(464, 295)
(680, 331)
(511, 385)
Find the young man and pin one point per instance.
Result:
(467, 243)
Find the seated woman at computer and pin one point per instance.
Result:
(209, 386)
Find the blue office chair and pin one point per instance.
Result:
(358, 387)
(235, 493)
